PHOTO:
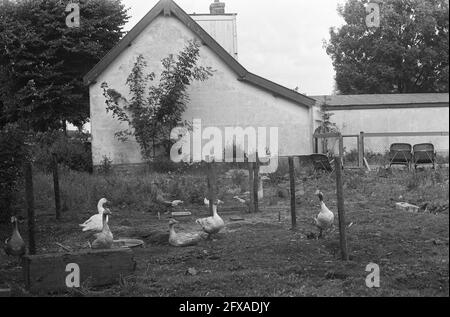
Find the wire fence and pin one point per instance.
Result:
(374, 149)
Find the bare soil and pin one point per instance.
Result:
(262, 256)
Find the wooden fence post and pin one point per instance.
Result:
(251, 186)
(341, 146)
(361, 150)
(292, 181)
(56, 187)
(211, 186)
(256, 184)
(341, 209)
(28, 171)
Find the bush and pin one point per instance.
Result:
(73, 151)
(105, 166)
(351, 156)
(238, 177)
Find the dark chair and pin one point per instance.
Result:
(322, 163)
(400, 154)
(424, 154)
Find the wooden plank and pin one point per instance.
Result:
(29, 196)
(327, 135)
(56, 187)
(47, 272)
(350, 135)
(341, 210)
(292, 181)
(181, 214)
(366, 164)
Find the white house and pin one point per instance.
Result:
(233, 97)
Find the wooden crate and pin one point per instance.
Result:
(47, 272)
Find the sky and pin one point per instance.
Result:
(279, 40)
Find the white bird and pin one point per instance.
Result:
(212, 225)
(176, 203)
(161, 200)
(239, 199)
(206, 202)
(325, 219)
(104, 239)
(183, 239)
(95, 223)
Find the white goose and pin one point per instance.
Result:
(104, 239)
(239, 199)
(206, 202)
(325, 219)
(183, 239)
(212, 225)
(95, 223)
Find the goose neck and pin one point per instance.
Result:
(15, 225)
(100, 207)
(172, 229)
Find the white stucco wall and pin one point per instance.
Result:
(394, 120)
(221, 101)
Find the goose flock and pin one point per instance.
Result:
(104, 238)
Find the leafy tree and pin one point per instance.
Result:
(407, 54)
(326, 126)
(42, 61)
(13, 152)
(155, 110)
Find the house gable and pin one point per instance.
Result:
(170, 8)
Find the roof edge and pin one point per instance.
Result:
(169, 7)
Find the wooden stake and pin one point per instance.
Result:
(341, 147)
(251, 186)
(341, 210)
(361, 150)
(292, 180)
(28, 171)
(256, 184)
(56, 187)
(211, 186)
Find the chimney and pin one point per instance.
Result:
(217, 7)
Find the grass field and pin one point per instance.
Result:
(260, 255)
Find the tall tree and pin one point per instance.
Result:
(42, 60)
(408, 53)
